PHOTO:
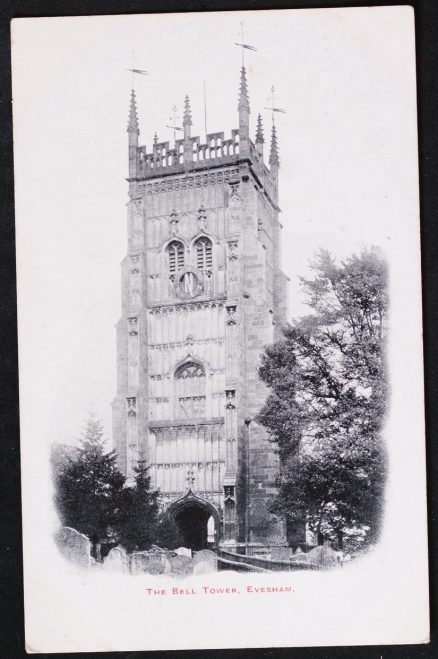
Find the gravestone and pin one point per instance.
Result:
(117, 561)
(280, 553)
(181, 565)
(204, 561)
(183, 551)
(74, 546)
(165, 557)
(144, 562)
(154, 549)
(299, 556)
(323, 556)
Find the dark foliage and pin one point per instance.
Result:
(92, 497)
(137, 517)
(168, 534)
(328, 393)
(88, 486)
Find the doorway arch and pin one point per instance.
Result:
(191, 514)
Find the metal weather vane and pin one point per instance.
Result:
(135, 71)
(141, 71)
(244, 46)
(173, 125)
(273, 108)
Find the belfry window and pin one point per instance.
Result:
(190, 390)
(175, 251)
(204, 254)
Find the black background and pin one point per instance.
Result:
(11, 577)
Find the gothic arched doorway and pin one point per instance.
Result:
(197, 520)
(192, 525)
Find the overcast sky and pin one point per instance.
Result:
(345, 140)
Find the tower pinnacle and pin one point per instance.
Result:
(259, 141)
(273, 156)
(244, 111)
(133, 121)
(133, 133)
(187, 121)
(243, 96)
(259, 134)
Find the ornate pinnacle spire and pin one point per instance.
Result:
(243, 96)
(259, 134)
(273, 156)
(155, 137)
(133, 121)
(187, 121)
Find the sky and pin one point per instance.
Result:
(344, 142)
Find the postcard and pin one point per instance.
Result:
(220, 330)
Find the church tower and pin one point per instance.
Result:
(202, 294)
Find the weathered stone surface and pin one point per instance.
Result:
(280, 553)
(226, 313)
(154, 549)
(165, 557)
(181, 565)
(74, 546)
(204, 561)
(183, 551)
(323, 556)
(144, 562)
(117, 561)
(299, 557)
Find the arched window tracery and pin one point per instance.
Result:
(204, 254)
(175, 251)
(190, 390)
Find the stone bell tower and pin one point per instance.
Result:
(202, 294)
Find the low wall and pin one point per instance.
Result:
(266, 564)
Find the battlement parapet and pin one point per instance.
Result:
(215, 152)
(163, 158)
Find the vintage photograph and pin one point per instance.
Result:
(217, 237)
(252, 435)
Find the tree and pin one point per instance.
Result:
(137, 518)
(327, 401)
(168, 533)
(88, 486)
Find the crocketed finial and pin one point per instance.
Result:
(273, 156)
(259, 134)
(187, 121)
(133, 121)
(243, 95)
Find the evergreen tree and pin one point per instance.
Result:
(168, 534)
(328, 391)
(137, 517)
(88, 487)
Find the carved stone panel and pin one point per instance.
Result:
(231, 430)
(133, 355)
(134, 288)
(132, 437)
(137, 237)
(195, 451)
(231, 335)
(232, 268)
